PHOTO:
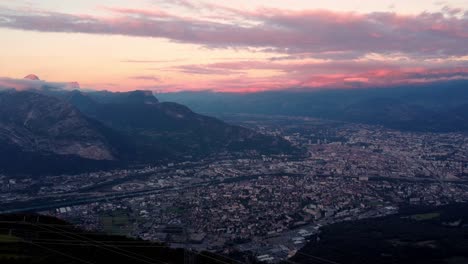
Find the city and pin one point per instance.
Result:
(266, 206)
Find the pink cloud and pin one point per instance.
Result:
(349, 74)
(312, 31)
(295, 38)
(139, 12)
(146, 78)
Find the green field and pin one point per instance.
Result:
(7, 248)
(8, 239)
(116, 223)
(425, 217)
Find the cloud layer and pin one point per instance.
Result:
(312, 31)
(309, 48)
(26, 84)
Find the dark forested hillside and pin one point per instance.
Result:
(416, 235)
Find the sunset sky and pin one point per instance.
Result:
(235, 46)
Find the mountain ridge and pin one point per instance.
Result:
(70, 127)
(434, 107)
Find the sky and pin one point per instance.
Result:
(233, 46)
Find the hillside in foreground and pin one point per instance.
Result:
(45, 240)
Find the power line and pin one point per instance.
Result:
(59, 252)
(104, 246)
(318, 258)
(75, 242)
(87, 245)
(217, 260)
(116, 242)
(129, 246)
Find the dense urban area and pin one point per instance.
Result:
(268, 206)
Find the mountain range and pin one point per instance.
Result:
(53, 131)
(431, 107)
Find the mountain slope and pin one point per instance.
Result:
(39, 129)
(169, 129)
(68, 131)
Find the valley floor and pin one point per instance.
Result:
(266, 206)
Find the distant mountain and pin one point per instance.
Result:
(73, 85)
(32, 77)
(436, 107)
(57, 130)
(132, 97)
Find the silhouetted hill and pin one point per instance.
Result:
(132, 97)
